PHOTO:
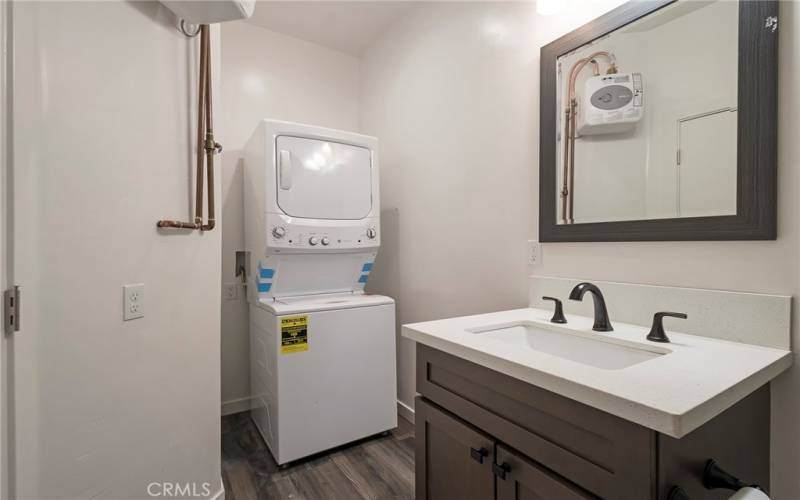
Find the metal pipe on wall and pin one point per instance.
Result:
(206, 146)
(565, 172)
(570, 114)
(201, 103)
(211, 147)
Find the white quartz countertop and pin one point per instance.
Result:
(695, 380)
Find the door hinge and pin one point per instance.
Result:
(11, 309)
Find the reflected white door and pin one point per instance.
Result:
(707, 164)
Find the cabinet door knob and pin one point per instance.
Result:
(477, 454)
(500, 470)
(678, 493)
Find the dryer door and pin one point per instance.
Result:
(319, 179)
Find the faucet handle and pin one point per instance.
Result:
(558, 315)
(657, 333)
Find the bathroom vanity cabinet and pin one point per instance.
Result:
(484, 435)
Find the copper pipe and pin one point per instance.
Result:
(565, 171)
(578, 66)
(573, 126)
(571, 112)
(206, 146)
(568, 183)
(201, 104)
(211, 147)
(569, 142)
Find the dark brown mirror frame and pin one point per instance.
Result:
(756, 203)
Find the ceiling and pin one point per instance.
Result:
(347, 26)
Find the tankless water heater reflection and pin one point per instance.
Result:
(611, 104)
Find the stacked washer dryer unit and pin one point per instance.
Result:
(322, 352)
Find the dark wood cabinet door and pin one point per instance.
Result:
(521, 479)
(602, 453)
(453, 460)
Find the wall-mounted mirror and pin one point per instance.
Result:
(658, 123)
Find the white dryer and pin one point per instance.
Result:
(322, 352)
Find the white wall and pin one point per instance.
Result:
(103, 123)
(452, 93)
(267, 75)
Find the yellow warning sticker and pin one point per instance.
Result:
(294, 334)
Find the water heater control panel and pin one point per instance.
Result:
(611, 104)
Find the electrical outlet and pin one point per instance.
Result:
(230, 291)
(534, 252)
(133, 301)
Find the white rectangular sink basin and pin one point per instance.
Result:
(580, 347)
(606, 370)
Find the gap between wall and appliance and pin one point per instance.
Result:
(243, 404)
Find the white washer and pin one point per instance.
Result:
(322, 352)
(339, 389)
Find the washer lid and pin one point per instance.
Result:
(325, 302)
(318, 179)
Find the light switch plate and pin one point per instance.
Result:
(133, 301)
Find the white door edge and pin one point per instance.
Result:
(5, 158)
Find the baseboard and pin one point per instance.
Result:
(405, 411)
(235, 406)
(220, 494)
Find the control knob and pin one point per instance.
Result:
(371, 233)
(325, 241)
(312, 241)
(278, 232)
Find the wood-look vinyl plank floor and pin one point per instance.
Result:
(376, 468)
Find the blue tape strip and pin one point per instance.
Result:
(367, 267)
(264, 287)
(266, 273)
(363, 278)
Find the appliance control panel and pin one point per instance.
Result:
(290, 234)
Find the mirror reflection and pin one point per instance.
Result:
(647, 122)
